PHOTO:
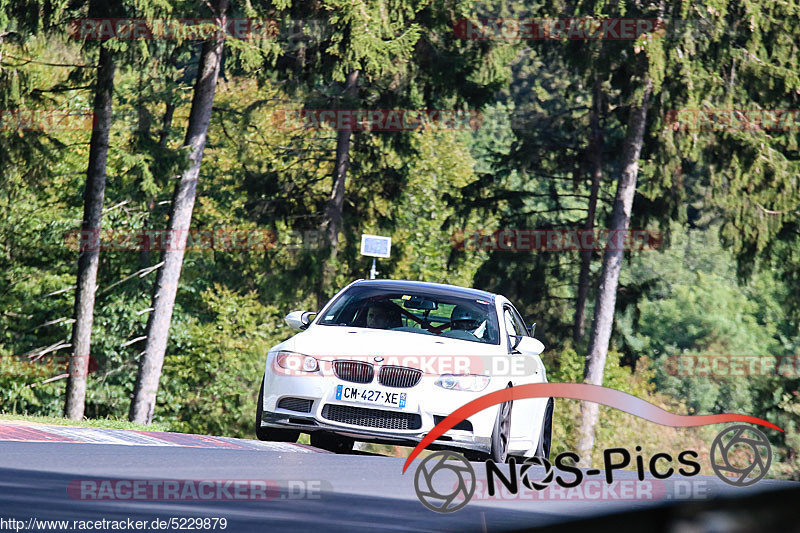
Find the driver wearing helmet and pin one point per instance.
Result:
(465, 319)
(383, 315)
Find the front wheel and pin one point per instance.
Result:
(501, 436)
(545, 435)
(271, 434)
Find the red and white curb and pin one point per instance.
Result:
(12, 431)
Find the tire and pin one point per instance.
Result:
(271, 434)
(545, 436)
(501, 435)
(332, 442)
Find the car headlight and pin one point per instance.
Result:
(465, 382)
(296, 362)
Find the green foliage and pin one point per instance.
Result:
(211, 379)
(105, 423)
(421, 236)
(618, 429)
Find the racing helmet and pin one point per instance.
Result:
(464, 318)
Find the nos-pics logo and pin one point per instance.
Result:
(445, 481)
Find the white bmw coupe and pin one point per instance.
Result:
(385, 361)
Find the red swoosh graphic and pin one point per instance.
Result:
(580, 391)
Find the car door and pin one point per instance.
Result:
(529, 368)
(525, 414)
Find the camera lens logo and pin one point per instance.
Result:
(444, 482)
(546, 479)
(741, 455)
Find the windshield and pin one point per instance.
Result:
(455, 317)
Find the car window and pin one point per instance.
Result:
(444, 315)
(512, 324)
(519, 323)
(437, 318)
(515, 327)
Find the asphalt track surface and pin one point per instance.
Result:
(41, 466)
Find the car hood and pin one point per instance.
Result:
(340, 342)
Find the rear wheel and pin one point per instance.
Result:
(332, 442)
(501, 436)
(545, 436)
(271, 434)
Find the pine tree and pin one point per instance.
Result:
(166, 287)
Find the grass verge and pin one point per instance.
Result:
(106, 423)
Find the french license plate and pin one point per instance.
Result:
(358, 394)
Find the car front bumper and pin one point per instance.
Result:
(426, 405)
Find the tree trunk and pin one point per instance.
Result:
(333, 209)
(596, 161)
(89, 253)
(144, 394)
(166, 124)
(332, 222)
(612, 263)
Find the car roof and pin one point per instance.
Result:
(434, 289)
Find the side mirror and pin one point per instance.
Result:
(529, 346)
(299, 319)
(517, 340)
